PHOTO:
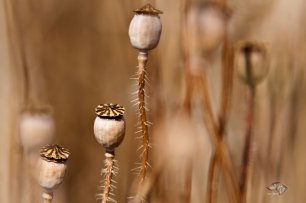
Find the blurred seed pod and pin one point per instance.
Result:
(145, 28)
(109, 125)
(36, 129)
(211, 19)
(52, 166)
(252, 62)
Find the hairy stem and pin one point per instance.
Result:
(108, 172)
(142, 61)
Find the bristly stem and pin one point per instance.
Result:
(142, 61)
(108, 173)
(247, 145)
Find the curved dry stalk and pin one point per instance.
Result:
(142, 61)
(108, 172)
(221, 153)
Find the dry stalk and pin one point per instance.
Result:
(218, 129)
(211, 187)
(221, 153)
(227, 84)
(145, 192)
(252, 72)
(245, 171)
(108, 172)
(142, 61)
(187, 71)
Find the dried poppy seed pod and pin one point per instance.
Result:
(52, 168)
(211, 20)
(109, 126)
(36, 129)
(252, 62)
(145, 28)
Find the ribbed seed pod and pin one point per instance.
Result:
(252, 62)
(109, 126)
(52, 168)
(36, 129)
(145, 28)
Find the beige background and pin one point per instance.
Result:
(78, 55)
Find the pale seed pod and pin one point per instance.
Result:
(145, 28)
(52, 168)
(211, 20)
(109, 125)
(252, 62)
(36, 129)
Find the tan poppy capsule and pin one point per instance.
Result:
(52, 168)
(109, 126)
(252, 62)
(145, 28)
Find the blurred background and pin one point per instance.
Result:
(77, 55)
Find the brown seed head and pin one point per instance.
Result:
(109, 110)
(148, 9)
(54, 153)
(252, 62)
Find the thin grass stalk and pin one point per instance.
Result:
(186, 55)
(21, 45)
(245, 171)
(221, 151)
(16, 41)
(213, 171)
(145, 192)
(227, 84)
(226, 91)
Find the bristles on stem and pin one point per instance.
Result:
(108, 172)
(142, 61)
